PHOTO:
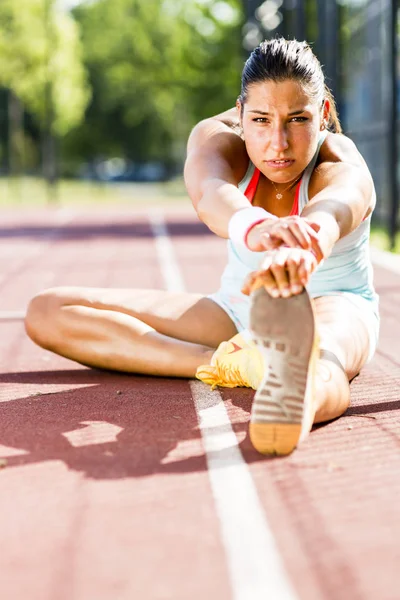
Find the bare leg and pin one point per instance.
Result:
(343, 340)
(304, 383)
(164, 333)
(136, 331)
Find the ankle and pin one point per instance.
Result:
(207, 355)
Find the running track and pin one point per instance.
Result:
(118, 487)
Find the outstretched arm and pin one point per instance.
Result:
(216, 162)
(341, 194)
(342, 197)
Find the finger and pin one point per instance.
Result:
(285, 235)
(248, 285)
(268, 281)
(308, 267)
(303, 272)
(299, 230)
(317, 250)
(293, 263)
(266, 261)
(280, 274)
(311, 229)
(315, 226)
(262, 279)
(267, 242)
(295, 233)
(255, 279)
(263, 276)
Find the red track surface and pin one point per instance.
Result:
(105, 494)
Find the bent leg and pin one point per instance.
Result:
(137, 331)
(345, 346)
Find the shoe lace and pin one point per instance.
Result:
(231, 375)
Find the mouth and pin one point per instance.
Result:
(280, 163)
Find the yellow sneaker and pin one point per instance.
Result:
(284, 405)
(235, 363)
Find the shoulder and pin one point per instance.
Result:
(229, 118)
(225, 123)
(340, 165)
(217, 142)
(339, 148)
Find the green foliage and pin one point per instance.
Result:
(126, 78)
(39, 49)
(156, 68)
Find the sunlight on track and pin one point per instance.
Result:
(255, 568)
(92, 433)
(8, 452)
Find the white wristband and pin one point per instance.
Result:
(243, 220)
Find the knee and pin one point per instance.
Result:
(43, 316)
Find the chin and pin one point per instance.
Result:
(280, 175)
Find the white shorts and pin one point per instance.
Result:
(238, 309)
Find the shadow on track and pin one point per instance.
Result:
(149, 425)
(117, 426)
(117, 231)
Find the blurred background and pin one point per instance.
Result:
(96, 94)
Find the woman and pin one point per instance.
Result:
(307, 227)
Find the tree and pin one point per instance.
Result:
(156, 67)
(40, 62)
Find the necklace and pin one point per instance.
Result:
(279, 195)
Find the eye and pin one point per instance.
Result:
(299, 119)
(260, 120)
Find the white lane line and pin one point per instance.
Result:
(169, 267)
(387, 260)
(255, 568)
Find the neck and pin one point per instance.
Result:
(285, 187)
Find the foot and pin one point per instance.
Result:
(283, 407)
(236, 363)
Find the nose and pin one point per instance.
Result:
(279, 139)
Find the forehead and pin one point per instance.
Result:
(285, 95)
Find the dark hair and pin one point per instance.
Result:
(278, 60)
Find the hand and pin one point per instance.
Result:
(294, 231)
(283, 272)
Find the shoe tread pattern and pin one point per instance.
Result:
(283, 329)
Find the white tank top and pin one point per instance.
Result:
(347, 269)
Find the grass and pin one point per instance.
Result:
(33, 191)
(380, 239)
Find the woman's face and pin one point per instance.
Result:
(281, 126)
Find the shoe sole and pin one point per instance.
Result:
(283, 330)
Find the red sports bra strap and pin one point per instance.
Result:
(295, 207)
(252, 188)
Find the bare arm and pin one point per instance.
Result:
(340, 190)
(341, 196)
(216, 162)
